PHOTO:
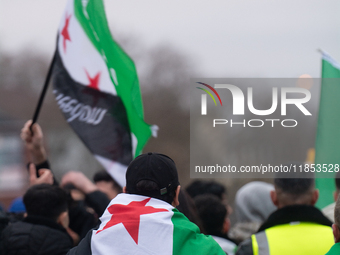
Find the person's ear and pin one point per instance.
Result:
(315, 196)
(124, 189)
(63, 219)
(226, 225)
(336, 233)
(273, 196)
(175, 202)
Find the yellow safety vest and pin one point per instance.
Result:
(298, 238)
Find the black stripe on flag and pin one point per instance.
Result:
(98, 118)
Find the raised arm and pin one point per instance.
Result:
(34, 142)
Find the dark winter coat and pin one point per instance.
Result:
(35, 236)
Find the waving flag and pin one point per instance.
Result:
(328, 135)
(134, 224)
(96, 86)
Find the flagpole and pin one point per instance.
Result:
(43, 92)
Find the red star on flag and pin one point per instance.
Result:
(64, 32)
(129, 216)
(94, 82)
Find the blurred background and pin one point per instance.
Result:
(170, 42)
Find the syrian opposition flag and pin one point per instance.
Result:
(328, 135)
(134, 224)
(96, 86)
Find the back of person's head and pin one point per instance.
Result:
(153, 175)
(45, 200)
(107, 184)
(291, 191)
(213, 214)
(200, 187)
(253, 206)
(253, 203)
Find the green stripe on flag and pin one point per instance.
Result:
(328, 130)
(91, 16)
(188, 240)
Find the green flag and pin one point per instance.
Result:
(328, 131)
(97, 89)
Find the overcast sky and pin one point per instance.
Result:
(225, 38)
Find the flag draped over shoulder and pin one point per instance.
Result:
(134, 224)
(328, 135)
(96, 87)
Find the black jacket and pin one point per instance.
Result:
(35, 236)
(81, 220)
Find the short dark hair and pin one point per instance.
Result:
(199, 187)
(151, 189)
(294, 186)
(103, 175)
(45, 200)
(212, 213)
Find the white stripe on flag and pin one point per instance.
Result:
(155, 231)
(81, 56)
(115, 169)
(329, 59)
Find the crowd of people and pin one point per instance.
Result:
(153, 214)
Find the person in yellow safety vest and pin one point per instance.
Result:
(296, 227)
(336, 229)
